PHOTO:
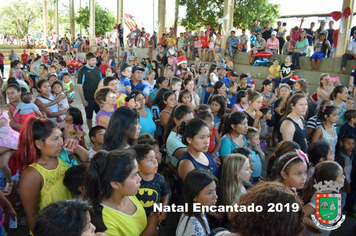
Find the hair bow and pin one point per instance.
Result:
(323, 110)
(301, 155)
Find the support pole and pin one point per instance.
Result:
(161, 17)
(229, 11)
(45, 22)
(344, 37)
(72, 18)
(56, 18)
(120, 12)
(92, 24)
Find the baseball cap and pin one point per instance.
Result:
(137, 68)
(274, 33)
(232, 73)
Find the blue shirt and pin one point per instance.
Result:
(141, 87)
(123, 82)
(226, 81)
(212, 168)
(257, 164)
(61, 71)
(227, 146)
(232, 41)
(147, 124)
(232, 99)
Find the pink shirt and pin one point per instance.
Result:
(173, 62)
(296, 36)
(272, 45)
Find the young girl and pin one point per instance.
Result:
(16, 71)
(301, 85)
(175, 85)
(150, 80)
(291, 169)
(197, 47)
(218, 108)
(264, 135)
(199, 187)
(63, 104)
(325, 87)
(73, 126)
(185, 97)
(189, 84)
(215, 141)
(219, 89)
(68, 87)
(170, 101)
(253, 110)
(241, 101)
(8, 144)
(27, 108)
(236, 170)
(233, 134)
(318, 152)
(324, 171)
(328, 116)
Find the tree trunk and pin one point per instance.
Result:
(176, 18)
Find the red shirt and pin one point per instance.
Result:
(1, 60)
(204, 41)
(103, 68)
(211, 143)
(335, 35)
(24, 57)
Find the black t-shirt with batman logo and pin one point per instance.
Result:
(151, 191)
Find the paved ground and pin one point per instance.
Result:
(347, 228)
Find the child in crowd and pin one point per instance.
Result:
(324, 171)
(104, 65)
(10, 211)
(236, 171)
(197, 44)
(318, 152)
(215, 141)
(241, 101)
(175, 85)
(344, 157)
(148, 139)
(264, 135)
(328, 116)
(62, 69)
(218, 109)
(185, 97)
(189, 84)
(68, 87)
(231, 94)
(151, 181)
(350, 103)
(301, 85)
(74, 180)
(288, 166)
(250, 82)
(57, 89)
(243, 83)
(8, 144)
(52, 69)
(199, 187)
(253, 140)
(124, 82)
(27, 108)
(96, 135)
(73, 126)
(349, 127)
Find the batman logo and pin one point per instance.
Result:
(147, 196)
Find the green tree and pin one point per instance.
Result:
(17, 18)
(208, 11)
(104, 19)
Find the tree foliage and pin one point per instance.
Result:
(22, 17)
(208, 11)
(104, 19)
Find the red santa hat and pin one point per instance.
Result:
(294, 78)
(181, 60)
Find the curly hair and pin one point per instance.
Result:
(269, 223)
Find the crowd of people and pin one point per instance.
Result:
(171, 133)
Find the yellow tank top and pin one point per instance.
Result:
(53, 188)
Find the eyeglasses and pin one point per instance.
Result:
(111, 95)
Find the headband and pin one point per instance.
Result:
(301, 155)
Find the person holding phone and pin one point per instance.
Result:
(321, 47)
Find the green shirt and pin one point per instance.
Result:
(300, 45)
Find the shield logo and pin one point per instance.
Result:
(328, 208)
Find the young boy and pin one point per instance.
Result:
(176, 85)
(52, 69)
(74, 180)
(62, 69)
(231, 95)
(153, 187)
(253, 140)
(96, 135)
(350, 103)
(344, 157)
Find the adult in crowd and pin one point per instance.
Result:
(120, 31)
(286, 72)
(222, 75)
(300, 49)
(13, 92)
(244, 39)
(349, 55)
(331, 31)
(321, 48)
(89, 77)
(111, 184)
(13, 56)
(12, 80)
(321, 30)
(267, 31)
(161, 82)
(293, 127)
(339, 96)
(46, 102)
(281, 31)
(136, 81)
(196, 135)
(272, 44)
(232, 44)
(40, 162)
(175, 146)
(113, 83)
(34, 69)
(260, 45)
(106, 99)
(146, 118)
(24, 58)
(334, 44)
